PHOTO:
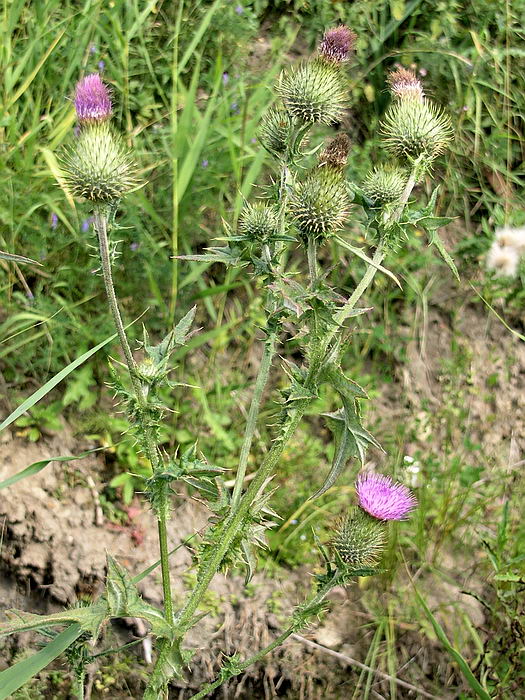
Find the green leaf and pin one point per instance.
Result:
(38, 466)
(17, 675)
(18, 258)
(181, 330)
(89, 618)
(369, 261)
(454, 653)
(436, 241)
(345, 387)
(123, 600)
(51, 384)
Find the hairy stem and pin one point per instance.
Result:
(312, 260)
(149, 444)
(294, 627)
(251, 423)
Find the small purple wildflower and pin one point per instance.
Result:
(134, 246)
(380, 497)
(92, 49)
(92, 100)
(239, 9)
(225, 79)
(204, 163)
(337, 44)
(86, 224)
(30, 295)
(101, 66)
(422, 72)
(54, 220)
(235, 108)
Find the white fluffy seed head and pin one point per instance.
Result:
(511, 238)
(503, 260)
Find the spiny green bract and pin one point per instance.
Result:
(314, 92)
(413, 128)
(385, 184)
(98, 166)
(276, 130)
(359, 540)
(319, 204)
(259, 221)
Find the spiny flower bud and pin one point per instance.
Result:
(92, 100)
(314, 92)
(359, 539)
(276, 130)
(405, 85)
(335, 153)
(259, 221)
(337, 44)
(319, 204)
(382, 498)
(99, 167)
(413, 128)
(385, 184)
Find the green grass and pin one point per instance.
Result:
(193, 131)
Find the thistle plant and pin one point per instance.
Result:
(302, 210)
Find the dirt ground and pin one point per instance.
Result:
(54, 537)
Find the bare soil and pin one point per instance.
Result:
(54, 540)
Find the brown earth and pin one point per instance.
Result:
(54, 539)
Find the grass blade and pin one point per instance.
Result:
(38, 466)
(14, 677)
(51, 384)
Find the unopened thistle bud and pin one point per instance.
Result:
(92, 99)
(404, 85)
(412, 128)
(319, 204)
(385, 184)
(314, 92)
(98, 166)
(276, 130)
(259, 221)
(359, 540)
(337, 44)
(335, 153)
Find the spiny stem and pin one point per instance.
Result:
(294, 627)
(101, 227)
(251, 423)
(312, 260)
(149, 444)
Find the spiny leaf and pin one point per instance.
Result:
(89, 618)
(436, 241)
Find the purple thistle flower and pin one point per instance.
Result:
(405, 84)
(54, 220)
(380, 497)
(92, 100)
(337, 44)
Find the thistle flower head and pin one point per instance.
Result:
(314, 92)
(405, 85)
(511, 238)
(382, 498)
(411, 129)
(359, 540)
(92, 100)
(319, 205)
(337, 44)
(259, 221)
(276, 130)
(385, 184)
(98, 166)
(503, 260)
(335, 153)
